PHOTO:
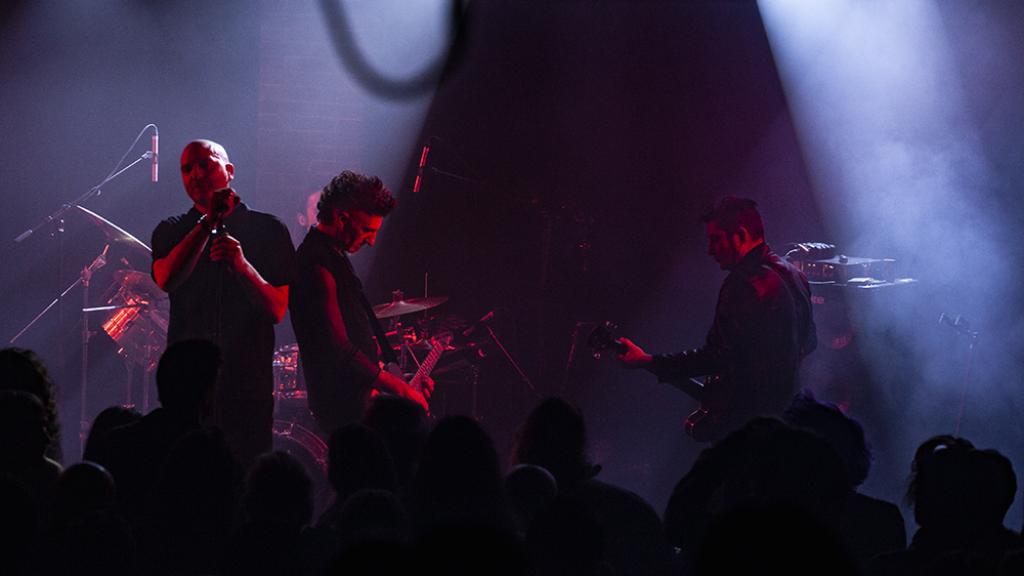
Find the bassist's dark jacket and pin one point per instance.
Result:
(763, 327)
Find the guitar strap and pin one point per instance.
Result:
(386, 353)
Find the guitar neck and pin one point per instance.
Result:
(426, 367)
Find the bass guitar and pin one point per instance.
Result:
(713, 392)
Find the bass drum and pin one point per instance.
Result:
(310, 449)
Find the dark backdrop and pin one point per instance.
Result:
(588, 137)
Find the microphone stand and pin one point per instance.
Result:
(57, 216)
(511, 360)
(962, 327)
(89, 194)
(549, 214)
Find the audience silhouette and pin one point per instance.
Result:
(134, 453)
(458, 480)
(161, 494)
(869, 526)
(108, 419)
(960, 496)
(554, 437)
(404, 427)
(24, 370)
(23, 452)
(85, 533)
(764, 463)
(278, 505)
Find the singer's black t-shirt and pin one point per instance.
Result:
(213, 305)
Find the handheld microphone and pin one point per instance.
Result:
(423, 164)
(155, 155)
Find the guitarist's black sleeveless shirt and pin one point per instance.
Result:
(339, 372)
(763, 327)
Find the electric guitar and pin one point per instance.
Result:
(714, 393)
(437, 344)
(437, 347)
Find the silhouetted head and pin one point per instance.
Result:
(358, 459)
(844, 433)
(554, 437)
(81, 489)
(458, 477)
(957, 488)
(110, 418)
(186, 375)
(528, 490)
(404, 427)
(778, 464)
(373, 516)
(23, 438)
(22, 369)
(278, 492)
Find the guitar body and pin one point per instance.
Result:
(705, 424)
(715, 393)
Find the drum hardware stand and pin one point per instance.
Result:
(962, 326)
(86, 278)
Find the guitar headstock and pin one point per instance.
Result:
(443, 339)
(602, 338)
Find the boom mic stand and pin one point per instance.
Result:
(57, 216)
(963, 327)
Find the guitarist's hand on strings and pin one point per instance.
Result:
(388, 382)
(417, 397)
(428, 387)
(631, 355)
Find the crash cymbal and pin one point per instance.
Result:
(403, 307)
(113, 232)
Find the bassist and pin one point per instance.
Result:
(763, 327)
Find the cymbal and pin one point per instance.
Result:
(403, 307)
(113, 232)
(127, 247)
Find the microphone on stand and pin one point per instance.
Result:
(473, 328)
(155, 155)
(419, 171)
